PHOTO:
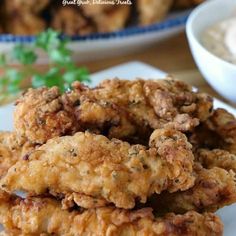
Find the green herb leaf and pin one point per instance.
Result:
(13, 88)
(3, 83)
(60, 56)
(52, 78)
(14, 76)
(2, 59)
(76, 74)
(47, 39)
(38, 81)
(62, 70)
(24, 55)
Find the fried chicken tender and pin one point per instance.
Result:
(213, 189)
(117, 108)
(93, 18)
(42, 114)
(107, 171)
(107, 17)
(22, 17)
(24, 24)
(186, 3)
(69, 20)
(216, 158)
(12, 149)
(152, 11)
(223, 123)
(157, 102)
(41, 216)
(93, 9)
(217, 132)
(112, 20)
(2, 18)
(25, 6)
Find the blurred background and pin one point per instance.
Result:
(83, 17)
(106, 33)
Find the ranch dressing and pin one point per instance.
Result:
(220, 39)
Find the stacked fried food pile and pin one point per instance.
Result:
(23, 17)
(142, 157)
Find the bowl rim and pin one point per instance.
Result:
(191, 36)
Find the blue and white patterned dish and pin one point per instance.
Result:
(100, 45)
(173, 21)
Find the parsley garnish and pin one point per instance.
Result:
(62, 71)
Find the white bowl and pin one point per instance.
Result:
(220, 74)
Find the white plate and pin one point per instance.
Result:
(101, 45)
(131, 71)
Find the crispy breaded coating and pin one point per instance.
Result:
(25, 6)
(152, 11)
(24, 24)
(22, 17)
(186, 3)
(70, 21)
(112, 20)
(140, 106)
(2, 18)
(42, 114)
(12, 149)
(122, 109)
(213, 189)
(107, 17)
(223, 123)
(90, 18)
(109, 171)
(93, 9)
(202, 137)
(216, 158)
(43, 216)
(217, 132)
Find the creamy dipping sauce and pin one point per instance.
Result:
(220, 39)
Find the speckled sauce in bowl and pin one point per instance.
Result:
(220, 39)
(219, 72)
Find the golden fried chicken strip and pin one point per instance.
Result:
(143, 105)
(95, 167)
(186, 3)
(69, 20)
(117, 108)
(24, 24)
(112, 20)
(7, 159)
(12, 149)
(216, 158)
(2, 18)
(217, 132)
(93, 9)
(42, 114)
(213, 189)
(107, 17)
(152, 11)
(100, 18)
(224, 124)
(39, 216)
(25, 6)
